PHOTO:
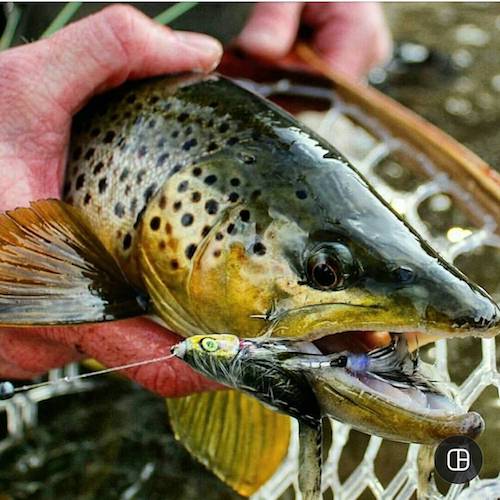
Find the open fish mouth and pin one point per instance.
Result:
(372, 381)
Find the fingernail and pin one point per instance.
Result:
(200, 42)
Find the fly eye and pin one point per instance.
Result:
(209, 344)
(324, 272)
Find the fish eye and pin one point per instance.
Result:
(329, 267)
(209, 344)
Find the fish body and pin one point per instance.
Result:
(193, 199)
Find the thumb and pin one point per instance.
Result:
(271, 30)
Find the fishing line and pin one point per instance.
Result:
(8, 390)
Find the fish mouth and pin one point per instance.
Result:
(405, 402)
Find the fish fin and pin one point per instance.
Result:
(310, 448)
(55, 270)
(233, 435)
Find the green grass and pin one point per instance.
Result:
(172, 13)
(10, 28)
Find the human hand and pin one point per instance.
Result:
(42, 85)
(350, 37)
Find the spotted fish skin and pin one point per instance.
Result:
(219, 204)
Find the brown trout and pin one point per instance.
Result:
(195, 200)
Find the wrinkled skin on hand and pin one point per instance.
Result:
(350, 37)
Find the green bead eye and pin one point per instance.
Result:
(209, 344)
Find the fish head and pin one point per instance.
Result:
(282, 237)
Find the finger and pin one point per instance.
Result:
(102, 51)
(271, 30)
(123, 342)
(351, 38)
(25, 354)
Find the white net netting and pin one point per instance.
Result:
(358, 466)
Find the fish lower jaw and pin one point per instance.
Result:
(411, 399)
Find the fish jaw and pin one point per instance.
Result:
(391, 413)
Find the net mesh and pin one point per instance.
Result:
(445, 215)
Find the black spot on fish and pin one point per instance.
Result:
(259, 248)
(232, 141)
(151, 123)
(142, 151)
(80, 181)
(108, 138)
(175, 134)
(231, 229)
(127, 241)
(154, 224)
(161, 143)
(140, 176)
(183, 117)
(167, 106)
(77, 153)
(196, 171)
(205, 231)
(149, 192)
(196, 196)
(177, 206)
(210, 179)
(153, 99)
(233, 197)
(188, 131)
(90, 152)
(168, 228)
(187, 220)
(176, 168)
(255, 194)
(235, 182)
(211, 206)
(190, 250)
(210, 123)
(95, 132)
(256, 135)
(162, 245)
(217, 253)
(162, 159)
(98, 168)
(127, 189)
(119, 210)
(124, 174)
(133, 205)
(182, 187)
(163, 202)
(224, 127)
(219, 236)
(87, 199)
(174, 264)
(301, 194)
(138, 106)
(211, 147)
(245, 215)
(189, 144)
(102, 185)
